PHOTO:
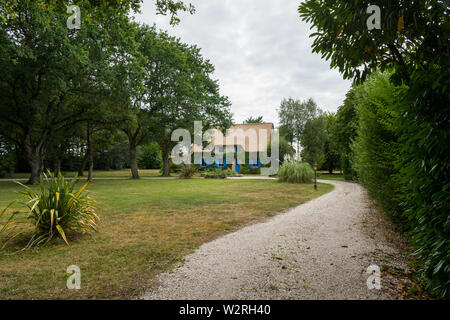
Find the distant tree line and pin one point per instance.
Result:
(310, 130)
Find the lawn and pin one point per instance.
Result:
(327, 176)
(124, 173)
(147, 227)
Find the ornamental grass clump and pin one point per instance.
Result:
(296, 172)
(54, 210)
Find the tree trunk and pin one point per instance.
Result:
(83, 164)
(56, 165)
(91, 166)
(35, 165)
(133, 161)
(90, 153)
(34, 159)
(166, 162)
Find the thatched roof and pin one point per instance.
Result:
(253, 137)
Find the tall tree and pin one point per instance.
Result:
(313, 140)
(293, 115)
(45, 67)
(331, 151)
(189, 94)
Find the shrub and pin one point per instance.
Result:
(376, 146)
(218, 173)
(54, 210)
(6, 164)
(188, 172)
(150, 157)
(285, 149)
(246, 169)
(424, 166)
(296, 172)
(174, 168)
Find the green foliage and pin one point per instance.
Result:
(54, 210)
(188, 172)
(285, 149)
(348, 168)
(313, 140)
(424, 173)
(412, 41)
(99, 10)
(286, 133)
(150, 156)
(293, 115)
(7, 161)
(409, 31)
(331, 151)
(173, 168)
(344, 131)
(114, 158)
(296, 172)
(172, 8)
(189, 92)
(317, 143)
(376, 146)
(246, 169)
(218, 173)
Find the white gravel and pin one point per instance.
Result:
(318, 250)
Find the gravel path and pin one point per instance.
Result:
(318, 250)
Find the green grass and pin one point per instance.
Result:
(327, 176)
(125, 173)
(147, 226)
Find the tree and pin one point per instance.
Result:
(293, 115)
(332, 157)
(6, 158)
(408, 35)
(46, 67)
(376, 145)
(285, 149)
(50, 68)
(101, 10)
(254, 120)
(150, 156)
(189, 94)
(134, 66)
(344, 132)
(412, 41)
(313, 139)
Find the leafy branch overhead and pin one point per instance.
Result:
(406, 37)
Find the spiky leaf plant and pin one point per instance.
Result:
(52, 211)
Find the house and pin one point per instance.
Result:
(244, 139)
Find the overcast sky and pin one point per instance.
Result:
(262, 53)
